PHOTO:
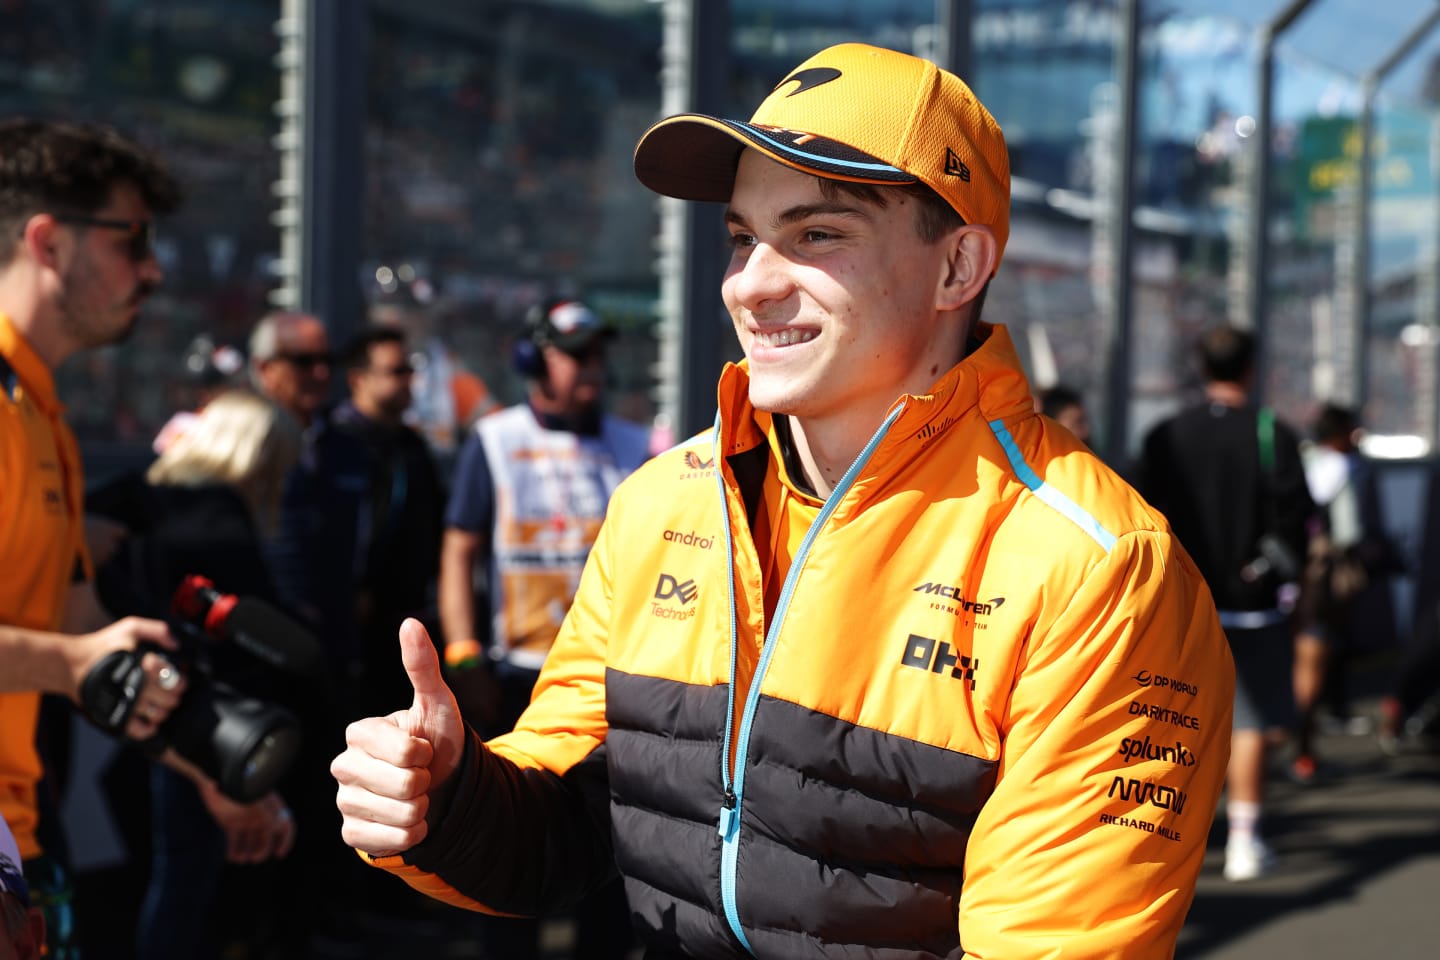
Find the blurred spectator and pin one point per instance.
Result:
(448, 399)
(23, 935)
(199, 510)
(1229, 479)
(317, 556)
(323, 535)
(1066, 407)
(406, 503)
(530, 491)
(1348, 552)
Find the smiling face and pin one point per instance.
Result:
(102, 285)
(839, 305)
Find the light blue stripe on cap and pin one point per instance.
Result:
(1057, 500)
(856, 165)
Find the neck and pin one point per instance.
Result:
(20, 302)
(825, 451)
(376, 415)
(1227, 394)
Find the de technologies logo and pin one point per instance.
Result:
(674, 598)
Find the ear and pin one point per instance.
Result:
(972, 256)
(43, 239)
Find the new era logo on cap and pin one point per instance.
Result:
(955, 167)
(851, 112)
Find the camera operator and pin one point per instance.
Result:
(76, 262)
(199, 510)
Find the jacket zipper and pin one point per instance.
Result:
(734, 786)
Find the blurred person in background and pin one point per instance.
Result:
(1066, 407)
(77, 261)
(407, 506)
(200, 509)
(23, 935)
(1228, 477)
(529, 493)
(1349, 552)
(317, 556)
(448, 398)
(322, 540)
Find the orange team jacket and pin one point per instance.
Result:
(41, 547)
(990, 715)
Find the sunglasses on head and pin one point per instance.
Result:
(142, 232)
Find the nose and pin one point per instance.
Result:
(758, 278)
(151, 271)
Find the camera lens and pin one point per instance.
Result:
(255, 742)
(246, 745)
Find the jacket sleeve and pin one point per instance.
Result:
(1115, 744)
(525, 829)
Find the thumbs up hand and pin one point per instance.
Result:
(392, 764)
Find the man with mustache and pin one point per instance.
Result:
(76, 263)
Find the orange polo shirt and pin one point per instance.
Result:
(42, 539)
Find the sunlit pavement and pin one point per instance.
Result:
(1358, 872)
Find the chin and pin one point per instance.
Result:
(774, 400)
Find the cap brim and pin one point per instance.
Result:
(693, 156)
(582, 341)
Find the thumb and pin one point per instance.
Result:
(433, 715)
(422, 664)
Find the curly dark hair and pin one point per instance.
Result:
(53, 165)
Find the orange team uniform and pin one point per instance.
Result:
(42, 539)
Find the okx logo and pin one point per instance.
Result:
(681, 591)
(926, 653)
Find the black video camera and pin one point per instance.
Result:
(243, 743)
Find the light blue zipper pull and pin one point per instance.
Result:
(729, 820)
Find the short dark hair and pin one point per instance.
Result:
(934, 217)
(1227, 355)
(1057, 398)
(52, 165)
(1334, 422)
(357, 353)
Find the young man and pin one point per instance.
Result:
(1229, 478)
(885, 664)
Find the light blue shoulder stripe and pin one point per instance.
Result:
(1057, 500)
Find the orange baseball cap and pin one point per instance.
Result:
(851, 112)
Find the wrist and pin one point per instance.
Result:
(461, 655)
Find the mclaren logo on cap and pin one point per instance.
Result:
(809, 79)
(955, 167)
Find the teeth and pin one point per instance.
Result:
(784, 338)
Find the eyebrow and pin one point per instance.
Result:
(803, 211)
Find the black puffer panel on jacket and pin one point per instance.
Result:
(856, 826)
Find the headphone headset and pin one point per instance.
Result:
(528, 355)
